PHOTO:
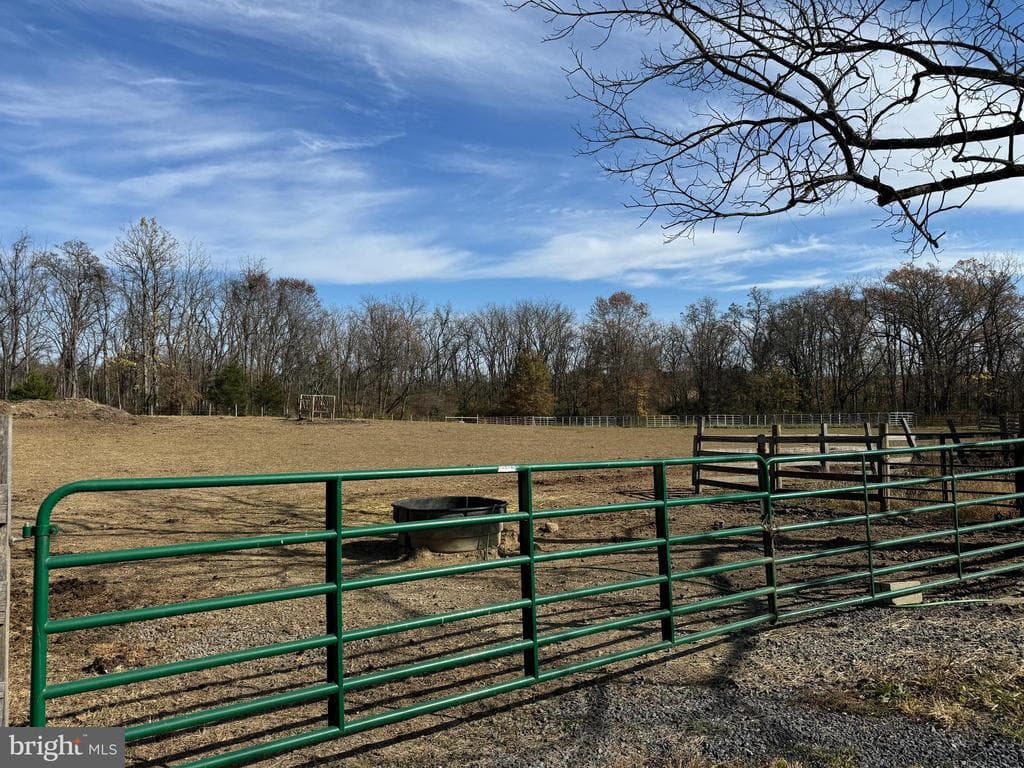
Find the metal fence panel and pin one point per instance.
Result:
(777, 596)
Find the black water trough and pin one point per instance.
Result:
(460, 538)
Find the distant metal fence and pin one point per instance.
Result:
(711, 420)
(853, 549)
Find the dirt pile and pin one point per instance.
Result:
(72, 408)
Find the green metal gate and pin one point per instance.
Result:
(773, 599)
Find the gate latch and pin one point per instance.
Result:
(44, 530)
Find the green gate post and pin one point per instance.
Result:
(661, 527)
(332, 575)
(764, 477)
(528, 574)
(867, 527)
(698, 438)
(956, 528)
(40, 615)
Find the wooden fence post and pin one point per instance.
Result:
(695, 471)
(1004, 434)
(960, 453)
(911, 440)
(869, 444)
(765, 451)
(5, 561)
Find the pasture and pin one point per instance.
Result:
(51, 451)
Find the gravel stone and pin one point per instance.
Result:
(757, 711)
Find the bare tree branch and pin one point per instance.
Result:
(794, 102)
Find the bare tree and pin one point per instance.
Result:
(76, 284)
(622, 352)
(940, 319)
(442, 371)
(1001, 331)
(186, 330)
(390, 348)
(299, 329)
(823, 340)
(711, 348)
(754, 329)
(21, 291)
(146, 257)
(495, 345)
(794, 103)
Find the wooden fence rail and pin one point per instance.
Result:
(742, 476)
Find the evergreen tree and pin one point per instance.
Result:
(228, 387)
(529, 387)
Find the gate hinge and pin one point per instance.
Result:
(43, 530)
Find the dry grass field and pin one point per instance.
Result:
(52, 451)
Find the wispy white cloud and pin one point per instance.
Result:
(475, 45)
(800, 280)
(616, 250)
(479, 160)
(122, 141)
(97, 92)
(321, 143)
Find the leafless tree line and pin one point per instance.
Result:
(152, 328)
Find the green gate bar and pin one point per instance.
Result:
(533, 641)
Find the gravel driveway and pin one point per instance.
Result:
(836, 692)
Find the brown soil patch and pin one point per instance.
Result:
(72, 408)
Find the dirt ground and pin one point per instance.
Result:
(51, 449)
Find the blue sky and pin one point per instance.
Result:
(381, 148)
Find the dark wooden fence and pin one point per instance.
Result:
(743, 476)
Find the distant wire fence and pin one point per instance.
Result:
(893, 418)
